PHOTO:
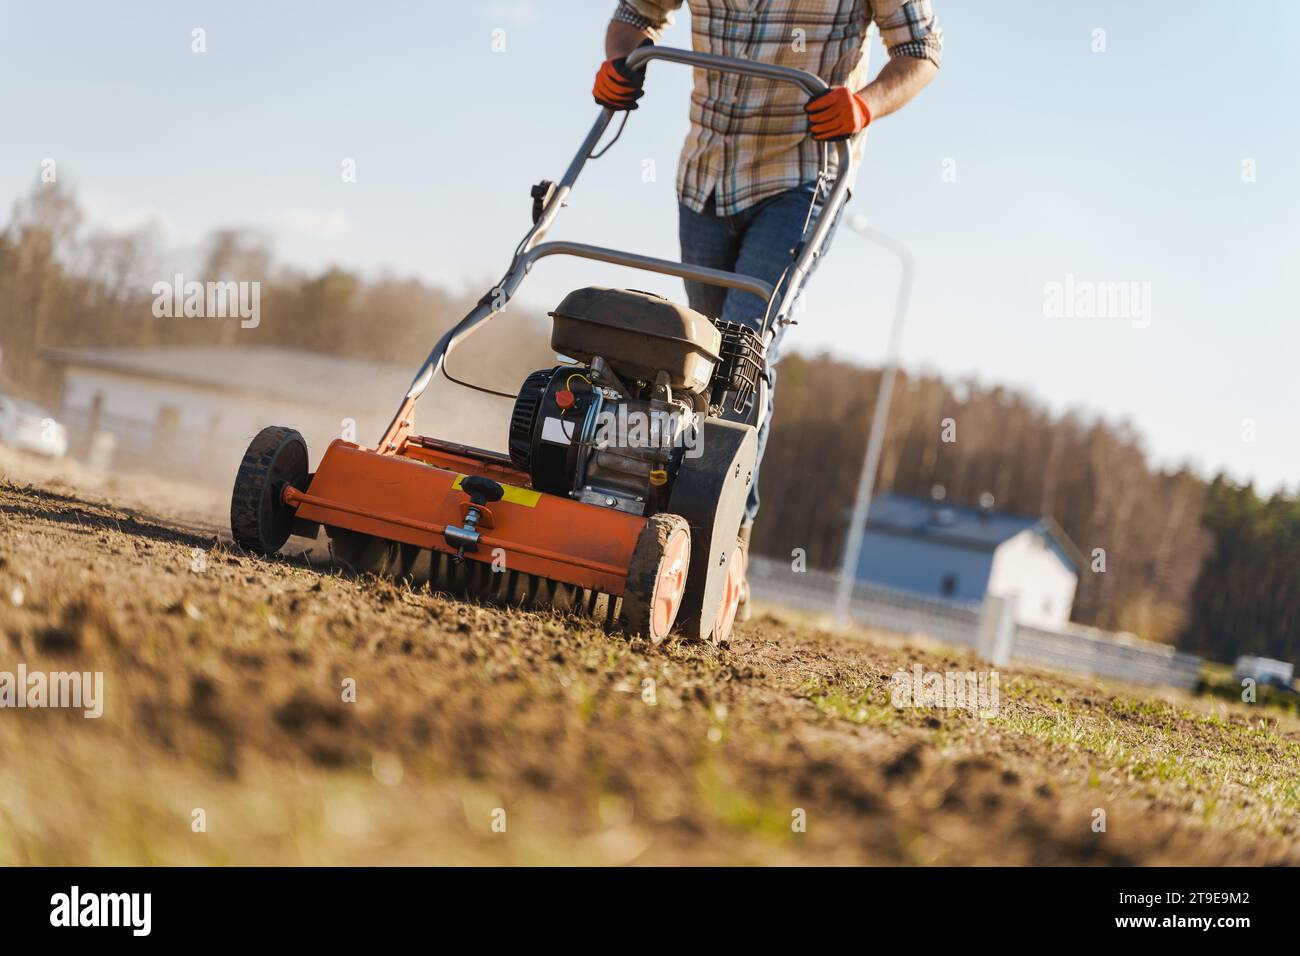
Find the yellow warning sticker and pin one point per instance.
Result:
(514, 494)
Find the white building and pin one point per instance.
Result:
(961, 554)
(192, 411)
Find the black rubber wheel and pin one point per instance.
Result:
(656, 577)
(259, 519)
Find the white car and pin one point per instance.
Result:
(31, 428)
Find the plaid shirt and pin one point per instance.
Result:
(749, 137)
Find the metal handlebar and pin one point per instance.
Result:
(531, 248)
(811, 82)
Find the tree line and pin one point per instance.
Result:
(64, 284)
(1167, 555)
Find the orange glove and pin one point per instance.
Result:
(837, 114)
(617, 87)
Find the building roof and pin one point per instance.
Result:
(290, 374)
(963, 526)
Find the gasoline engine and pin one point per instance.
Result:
(613, 427)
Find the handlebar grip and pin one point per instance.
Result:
(813, 84)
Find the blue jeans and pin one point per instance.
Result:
(757, 241)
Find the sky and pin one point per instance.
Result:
(1046, 155)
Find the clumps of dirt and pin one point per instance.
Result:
(304, 712)
(906, 764)
(85, 627)
(342, 719)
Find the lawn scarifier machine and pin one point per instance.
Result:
(642, 533)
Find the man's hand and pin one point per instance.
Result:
(837, 114)
(617, 87)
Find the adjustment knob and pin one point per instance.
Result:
(481, 490)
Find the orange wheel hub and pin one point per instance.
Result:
(730, 597)
(671, 584)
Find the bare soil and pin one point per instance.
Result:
(485, 735)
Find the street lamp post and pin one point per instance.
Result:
(879, 418)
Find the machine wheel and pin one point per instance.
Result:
(730, 604)
(366, 554)
(656, 576)
(259, 519)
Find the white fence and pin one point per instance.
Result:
(987, 628)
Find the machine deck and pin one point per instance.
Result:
(412, 497)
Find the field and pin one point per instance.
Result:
(479, 735)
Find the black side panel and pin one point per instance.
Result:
(710, 492)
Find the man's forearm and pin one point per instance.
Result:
(622, 38)
(897, 84)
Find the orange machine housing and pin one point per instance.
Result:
(409, 491)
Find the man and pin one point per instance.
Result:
(748, 170)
